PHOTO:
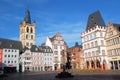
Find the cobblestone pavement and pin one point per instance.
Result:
(109, 75)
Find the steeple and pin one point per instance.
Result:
(27, 18)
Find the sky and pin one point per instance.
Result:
(69, 17)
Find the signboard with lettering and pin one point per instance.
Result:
(114, 58)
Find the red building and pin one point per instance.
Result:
(76, 55)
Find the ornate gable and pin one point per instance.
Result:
(112, 30)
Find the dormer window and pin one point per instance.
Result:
(36, 49)
(11, 45)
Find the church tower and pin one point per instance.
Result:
(28, 31)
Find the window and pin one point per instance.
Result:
(27, 29)
(8, 61)
(5, 55)
(60, 47)
(26, 36)
(27, 44)
(14, 61)
(94, 34)
(103, 52)
(31, 30)
(88, 37)
(93, 54)
(92, 44)
(8, 50)
(84, 46)
(11, 61)
(8, 55)
(88, 45)
(31, 44)
(101, 34)
(102, 42)
(5, 50)
(55, 47)
(31, 36)
(96, 43)
(4, 61)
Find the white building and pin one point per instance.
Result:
(94, 49)
(10, 55)
(32, 59)
(25, 60)
(57, 44)
(48, 58)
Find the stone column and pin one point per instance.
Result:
(95, 64)
(113, 65)
(89, 65)
(118, 65)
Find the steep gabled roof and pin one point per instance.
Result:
(95, 19)
(10, 44)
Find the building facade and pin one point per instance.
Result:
(26, 60)
(37, 59)
(94, 49)
(75, 53)
(113, 45)
(32, 59)
(57, 44)
(10, 50)
(27, 31)
(48, 58)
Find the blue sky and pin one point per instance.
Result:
(69, 17)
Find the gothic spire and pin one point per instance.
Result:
(27, 17)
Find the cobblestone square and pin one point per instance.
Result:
(107, 75)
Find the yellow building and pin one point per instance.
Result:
(28, 31)
(112, 38)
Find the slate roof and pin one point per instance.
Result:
(24, 49)
(47, 48)
(10, 44)
(95, 19)
(117, 26)
(27, 17)
(34, 48)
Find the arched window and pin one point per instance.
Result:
(27, 44)
(27, 29)
(103, 52)
(26, 36)
(31, 30)
(31, 36)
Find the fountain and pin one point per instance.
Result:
(66, 67)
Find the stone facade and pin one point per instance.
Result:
(28, 31)
(94, 49)
(75, 53)
(113, 45)
(57, 44)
